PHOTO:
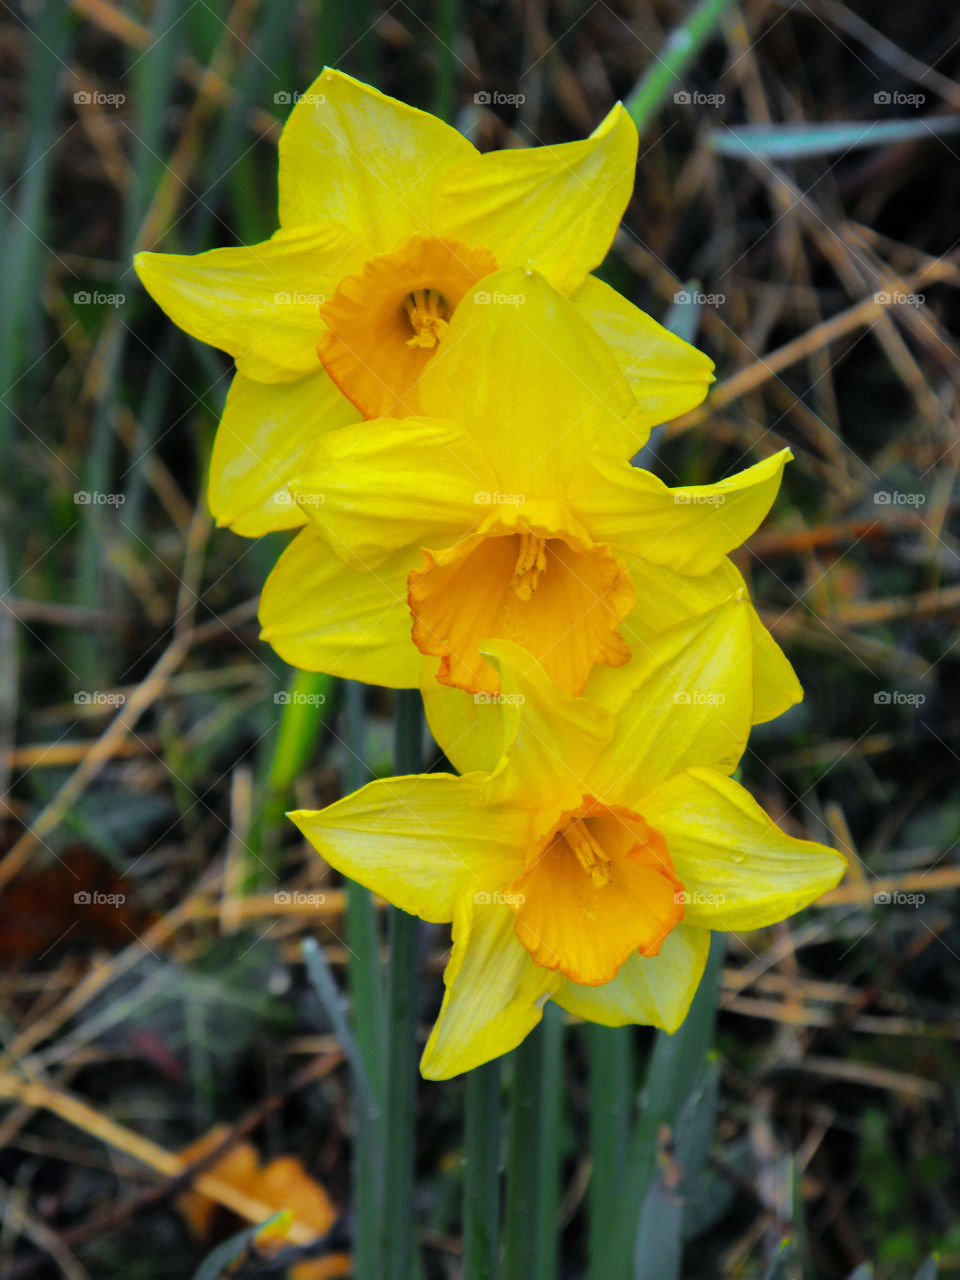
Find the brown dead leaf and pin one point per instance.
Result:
(79, 897)
(283, 1183)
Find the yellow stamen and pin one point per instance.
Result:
(531, 562)
(590, 855)
(428, 317)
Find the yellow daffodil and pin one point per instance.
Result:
(388, 218)
(509, 512)
(590, 850)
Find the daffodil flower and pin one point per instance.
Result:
(591, 849)
(509, 512)
(388, 218)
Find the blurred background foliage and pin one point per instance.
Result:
(795, 215)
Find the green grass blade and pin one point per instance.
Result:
(255, 82)
(796, 142)
(658, 1254)
(682, 46)
(324, 984)
(306, 708)
(675, 1066)
(778, 1268)
(929, 1269)
(216, 1263)
(24, 220)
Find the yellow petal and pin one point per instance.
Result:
(494, 992)
(472, 728)
(475, 731)
(350, 153)
(545, 768)
(544, 389)
(668, 375)
(376, 486)
(266, 432)
(690, 528)
(649, 990)
(420, 841)
(320, 615)
(554, 209)
(685, 699)
(261, 303)
(665, 598)
(739, 870)
(776, 687)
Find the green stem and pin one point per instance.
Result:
(445, 32)
(611, 1087)
(534, 1157)
(682, 46)
(523, 1159)
(397, 1227)
(481, 1187)
(551, 1133)
(366, 992)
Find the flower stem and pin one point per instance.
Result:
(611, 1088)
(366, 992)
(445, 33)
(533, 1172)
(397, 1225)
(481, 1188)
